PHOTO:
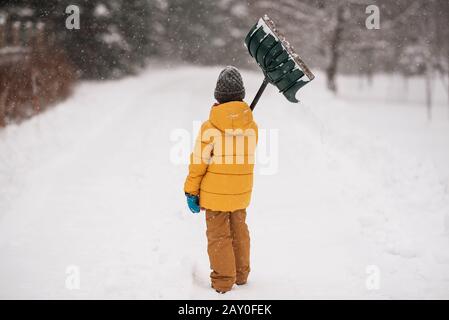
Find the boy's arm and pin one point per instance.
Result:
(199, 161)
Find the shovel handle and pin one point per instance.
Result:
(259, 93)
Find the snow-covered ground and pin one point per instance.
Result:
(351, 202)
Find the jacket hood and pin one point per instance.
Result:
(231, 115)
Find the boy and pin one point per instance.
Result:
(220, 180)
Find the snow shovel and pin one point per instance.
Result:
(280, 64)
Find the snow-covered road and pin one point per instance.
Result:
(351, 202)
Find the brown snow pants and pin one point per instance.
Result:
(228, 248)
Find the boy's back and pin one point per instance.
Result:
(221, 169)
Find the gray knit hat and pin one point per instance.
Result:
(229, 86)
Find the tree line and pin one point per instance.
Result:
(117, 37)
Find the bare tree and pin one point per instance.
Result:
(334, 48)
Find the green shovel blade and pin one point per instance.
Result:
(281, 66)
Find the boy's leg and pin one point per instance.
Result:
(240, 243)
(219, 248)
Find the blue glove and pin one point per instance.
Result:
(193, 202)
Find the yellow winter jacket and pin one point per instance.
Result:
(222, 162)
